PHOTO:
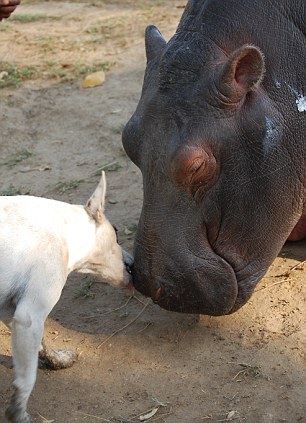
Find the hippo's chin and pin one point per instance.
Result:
(207, 288)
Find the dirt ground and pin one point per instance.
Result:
(134, 357)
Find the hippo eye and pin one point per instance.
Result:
(193, 168)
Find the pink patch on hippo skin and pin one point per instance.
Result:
(299, 231)
(157, 294)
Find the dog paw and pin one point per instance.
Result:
(57, 359)
(15, 415)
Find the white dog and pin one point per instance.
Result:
(41, 242)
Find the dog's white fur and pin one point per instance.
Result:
(41, 242)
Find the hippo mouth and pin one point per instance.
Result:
(198, 299)
(202, 285)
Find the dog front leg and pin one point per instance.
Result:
(26, 340)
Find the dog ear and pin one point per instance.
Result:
(95, 205)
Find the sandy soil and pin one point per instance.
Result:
(134, 357)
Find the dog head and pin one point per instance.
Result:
(106, 258)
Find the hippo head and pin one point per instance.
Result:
(216, 209)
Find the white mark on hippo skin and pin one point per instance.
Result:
(300, 99)
(278, 84)
(272, 136)
(301, 103)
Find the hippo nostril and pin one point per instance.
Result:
(157, 294)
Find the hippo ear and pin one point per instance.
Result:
(242, 72)
(155, 43)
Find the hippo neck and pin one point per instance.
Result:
(199, 13)
(220, 21)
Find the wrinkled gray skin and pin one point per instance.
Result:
(220, 137)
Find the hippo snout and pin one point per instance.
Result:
(207, 285)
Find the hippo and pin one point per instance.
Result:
(219, 135)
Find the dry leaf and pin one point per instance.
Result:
(3, 75)
(231, 414)
(94, 79)
(45, 420)
(149, 415)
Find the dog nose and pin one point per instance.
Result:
(128, 260)
(128, 268)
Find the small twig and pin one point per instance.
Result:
(297, 265)
(124, 420)
(138, 299)
(124, 327)
(148, 411)
(239, 373)
(103, 167)
(146, 326)
(286, 275)
(96, 417)
(143, 412)
(46, 420)
(110, 311)
(161, 416)
(273, 284)
(247, 370)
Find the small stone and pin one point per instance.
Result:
(93, 79)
